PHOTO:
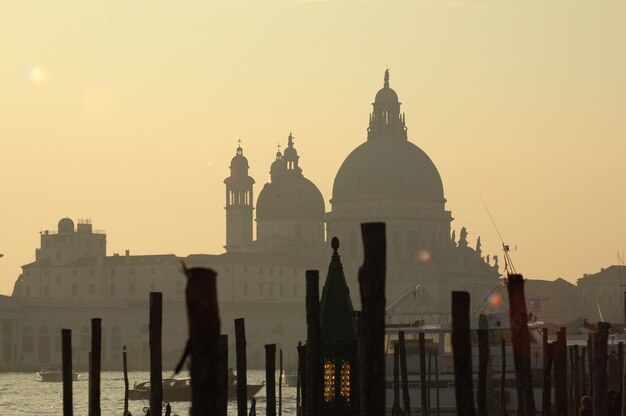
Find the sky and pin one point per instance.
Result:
(128, 113)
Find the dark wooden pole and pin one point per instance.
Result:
(423, 387)
(204, 340)
(372, 328)
(280, 382)
(430, 357)
(620, 364)
(406, 399)
(560, 374)
(577, 377)
(462, 354)
(437, 382)
(94, 372)
(396, 381)
(126, 384)
(483, 364)
(583, 372)
(301, 382)
(156, 365)
(572, 374)
(270, 379)
(520, 338)
(313, 355)
(547, 379)
(600, 388)
(623, 369)
(224, 377)
(66, 357)
(503, 411)
(242, 376)
(590, 361)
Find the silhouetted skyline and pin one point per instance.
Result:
(129, 116)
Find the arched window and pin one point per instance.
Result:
(27, 339)
(344, 387)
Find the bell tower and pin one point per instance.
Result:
(239, 203)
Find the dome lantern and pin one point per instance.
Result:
(386, 121)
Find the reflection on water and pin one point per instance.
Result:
(24, 394)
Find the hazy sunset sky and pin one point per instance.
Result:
(128, 113)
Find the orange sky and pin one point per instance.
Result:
(128, 112)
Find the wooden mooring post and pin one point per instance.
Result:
(577, 378)
(600, 386)
(546, 396)
(313, 390)
(66, 358)
(483, 364)
(583, 372)
(372, 320)
(623, 368)
(423, 386)
(156, 365)
(503, 411)
(270, 379)
(301, 380)
(224, 377)
(126, 384)
(437, 383)
(203, 320)
(242, 375)
(404, 373)
(462, 354)
(560, 374)
(95, 365)
(520, 340)
(280, 382)
(395, 407)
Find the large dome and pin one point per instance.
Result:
(290, 198)
(388, 169)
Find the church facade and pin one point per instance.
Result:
(386, 178)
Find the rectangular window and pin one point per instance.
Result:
(27, 343)
(92, 272)
(92, 289)
(152, 270)
(132, 288)
(152, 287)
(245, 269)
(245, 288)
(73, 272)
(271, 289)
(58, 279)
(27, 290)
(46, 290)
(74, 289)
(112, 289)
(132, 271)
(58, 255)
(261, 289)
(280, 290)
(298, 231)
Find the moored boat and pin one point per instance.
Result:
(179, 390)
(54, 375)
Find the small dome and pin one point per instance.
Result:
(66, 226)
(389, 169)
(239, 163)
(290, 197)
(386, 96)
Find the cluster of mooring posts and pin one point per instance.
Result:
(341, 367)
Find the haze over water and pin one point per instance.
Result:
(22, 394)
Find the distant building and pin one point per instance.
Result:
(553, 301)
(387, 178)
(603, 293)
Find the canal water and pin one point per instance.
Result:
(23, 394)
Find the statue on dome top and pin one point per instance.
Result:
(478, 245)
(387, 78)
(463, 238)
(290, 140)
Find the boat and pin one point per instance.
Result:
(54, 375)
(179, 390)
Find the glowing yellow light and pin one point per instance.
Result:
(37, 75)
(329, 381)
(345, 381)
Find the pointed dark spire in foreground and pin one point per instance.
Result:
(336, 312)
